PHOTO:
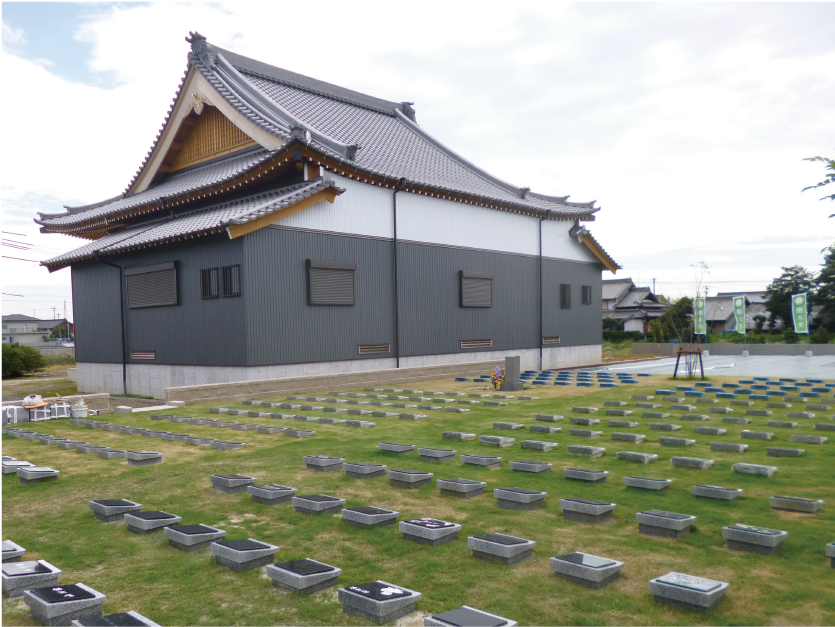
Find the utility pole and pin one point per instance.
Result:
(653, 285)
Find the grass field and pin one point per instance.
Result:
(143, 573)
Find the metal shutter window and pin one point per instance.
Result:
(476, 289)
(209, 283)
(152, 286)
(587, 294)
(330, 282)
(565, 296)
(231, 281)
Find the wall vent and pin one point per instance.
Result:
(148, 355)
(476, 343)
(554, 339)
(368, 349)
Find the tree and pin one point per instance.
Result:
(794, 280)
(828, 180)
(610, 324)
(677, 320)
(825, 296)
(759, 321)
(19, 359)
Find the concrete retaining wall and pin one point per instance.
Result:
(670, 350)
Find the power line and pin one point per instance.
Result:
(19, 259)
(10, 233)
(20, 295)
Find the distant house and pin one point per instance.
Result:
(21, 329)
(722, 307)
(631, 306)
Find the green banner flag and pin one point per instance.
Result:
(800, 313)
(699, 317)
(739, 313)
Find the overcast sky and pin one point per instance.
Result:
(687, 123)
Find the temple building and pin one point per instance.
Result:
(282, 226)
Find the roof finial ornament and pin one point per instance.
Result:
(523, 191)
(200, 47)
(408, 111)
(300, 133)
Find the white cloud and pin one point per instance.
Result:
(687, 123)
(13, 37)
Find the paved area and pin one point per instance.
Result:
(735, 365)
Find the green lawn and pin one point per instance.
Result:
(172, 587)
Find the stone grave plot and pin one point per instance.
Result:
(12, 552)
(778, 451)
(810, 439)
(243, 555)
(666, 441)
(148, 522)
(830, 553)
(664, 426)
(436, 454)
(113, 510)
(583, 474)
(465, 616)
(299, 433)
(641, 458)
(486, 461)
(584, 410)
(656, 522)
(495, 440)
(544, 429)
(369, 517)
(585, 433)
(754, 539)
(693, 593)
(592, 452)
(710, 430)
(623, 424)
(37, 474)
(323, 463)
(508, 426)
(409, 479)
(192, 537)
(728, 447)
(793, 504)
(691, 462)
(548, 417)
(755, 469)
(11, 467)
(635, 438)
(530, 466)
(232, 484)
(143, 458)
(457, 435)
(226, 445)
(20, 576)
(782, 424)
(58, 605)
(618, 412)
(588, 570)
(461, 488)
(317, 504)
(270, 494)
(499, 547)
(378, 601)
(694, 417)
(586, 510)
(121, 619)
(175, 437)
(716, 492)
(364, 470)
(519, 498)
(429, 531)
(304, 576)
(400, 449)
(645, 483)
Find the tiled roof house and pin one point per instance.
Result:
(280, 226)
(631, 306)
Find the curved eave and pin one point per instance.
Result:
(597, 250)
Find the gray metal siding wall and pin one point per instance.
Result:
(283, 328)
(195, 332)
(98, 327)
(581, 324)
(431, 318)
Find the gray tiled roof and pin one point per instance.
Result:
(178, 184)
(615, 288)
(198, 222)
(369, 134)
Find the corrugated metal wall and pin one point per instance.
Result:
(581, 324)
(195, 332)
(283, 328)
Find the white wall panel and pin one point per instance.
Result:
(558, 244)
(362, 210)
(438, 221)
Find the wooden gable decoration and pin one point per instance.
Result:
(202, 137)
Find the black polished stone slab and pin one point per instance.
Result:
(499, 538)
(16, 569)
(584, 559)
(466, 617)
(192, 530)
(689, 582)
(522, 491)
(370, 510)
(378, 591)
(305, 567)
(153, 515)
(114, 502)
(62, 594)
(243, 545)
(587, 501)
(662, 514)
(114, 620)
(318, 498)
(430, 523)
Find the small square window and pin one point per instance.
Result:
(209, 287)
(587, 294)
(565, 296)
(231, 281)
